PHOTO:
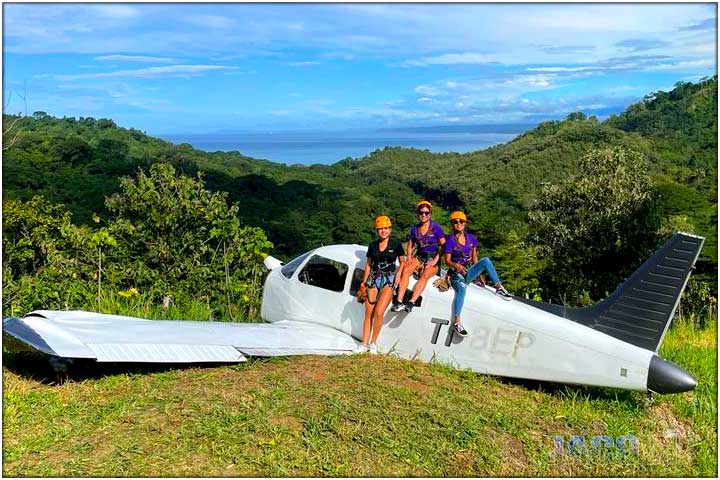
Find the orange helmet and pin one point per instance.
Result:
(458, 215)
(421, 203)
(383, 221)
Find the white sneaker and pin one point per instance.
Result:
(373, 349)
(361, 349)
(502, 293)
(460, 330)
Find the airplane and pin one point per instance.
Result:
(311, 308)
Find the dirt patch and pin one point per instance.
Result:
(288, 421)
(516, 463)
(460, 463)
(415, 386)
(667, 428)
(308, 370)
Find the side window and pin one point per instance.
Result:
(292, 265)
(324, 273)
(356, 280)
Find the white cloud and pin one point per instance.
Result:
(135, 58)
(561, 69)
(147, 72)
(451, 59)
(338, 55)
(537, 80)
(684, 65)
(428, 90)
(303, 64)
(114, 10)
(592, 106)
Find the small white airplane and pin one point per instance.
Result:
(311, 308)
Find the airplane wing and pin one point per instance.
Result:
(115, 338)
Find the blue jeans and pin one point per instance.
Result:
(460, 282)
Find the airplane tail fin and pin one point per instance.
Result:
(641, 309)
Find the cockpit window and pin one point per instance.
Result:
(324, 273)
(289, 268)
(356, 281)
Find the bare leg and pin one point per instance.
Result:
(407, 270)
(379, 311)
(404, 273)
(372, 293)
(427, 274)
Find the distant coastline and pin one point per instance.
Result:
(327, 147)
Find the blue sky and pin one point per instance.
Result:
(167, 68)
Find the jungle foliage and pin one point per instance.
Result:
(595, 225)
(168, 239)
(530, 201)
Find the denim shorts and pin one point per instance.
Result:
(379, 280)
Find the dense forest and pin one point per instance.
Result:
(567, 209)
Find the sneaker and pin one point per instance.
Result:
(460, 330)
(502, 293)
(361, 349)
(409, 306)
(373, 349)
(396, 306)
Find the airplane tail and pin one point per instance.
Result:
(641, 309)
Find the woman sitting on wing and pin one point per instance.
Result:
(379, 280)
(424, 247)
(461, 258)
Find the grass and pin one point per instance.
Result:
(348, 416)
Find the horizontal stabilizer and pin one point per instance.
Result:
(641, 309)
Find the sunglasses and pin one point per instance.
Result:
(424, 212)
(457, 222)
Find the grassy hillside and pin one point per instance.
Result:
(348, 416)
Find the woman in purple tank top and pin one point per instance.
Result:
(424, 248)
(461, 257)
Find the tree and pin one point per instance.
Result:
(40, 266)
(576, 116)
(594, 229)
(31, 234)
(176, 238)
(72, 150)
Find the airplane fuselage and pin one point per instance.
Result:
(506, 338)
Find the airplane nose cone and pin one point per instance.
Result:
(666, 377)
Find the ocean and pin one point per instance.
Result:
(329, 147)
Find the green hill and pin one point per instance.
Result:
(78, 162)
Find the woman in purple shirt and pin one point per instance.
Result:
(461, 257)
(424, 247)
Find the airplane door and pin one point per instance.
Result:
(321, 287)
